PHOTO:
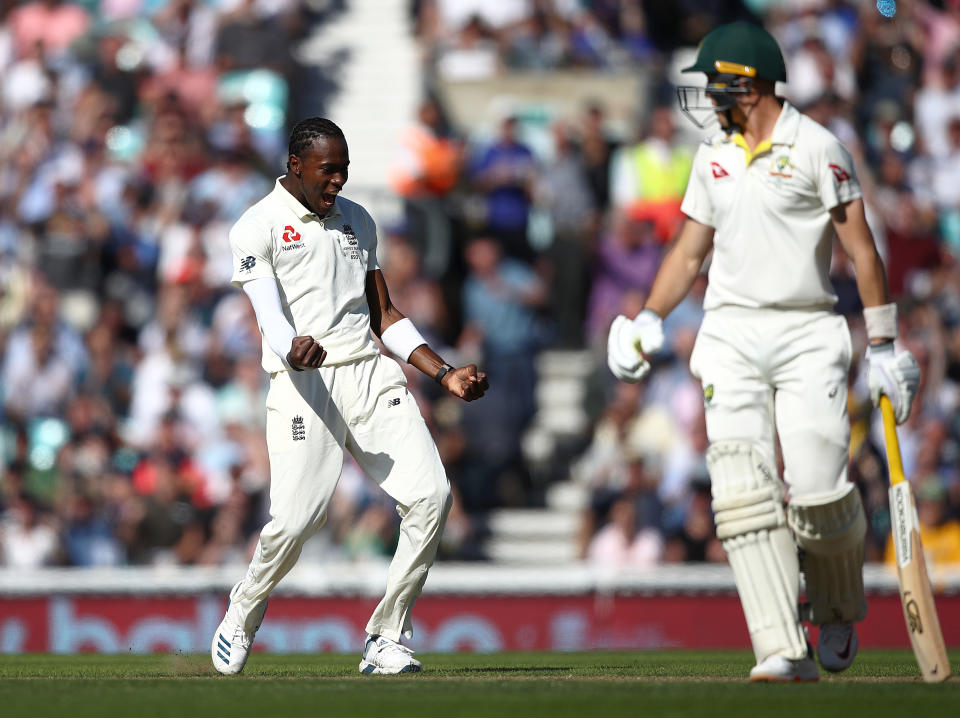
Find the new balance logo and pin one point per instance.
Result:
(393, 402)
(839, 173)
(718, 171)
(297, 428)
(247, 263)
(290, 234)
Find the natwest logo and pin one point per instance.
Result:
(718, 171)
(840, 173)
(290, 234)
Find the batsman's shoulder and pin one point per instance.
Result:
(818, 139)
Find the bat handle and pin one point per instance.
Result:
(890, 439)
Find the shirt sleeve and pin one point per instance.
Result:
(252, 257)
(696, 200)
(276, 328)
(836, 177)
(371, 230)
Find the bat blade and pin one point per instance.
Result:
(916, 594)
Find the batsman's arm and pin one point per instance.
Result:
(850, 223)
(680, 267)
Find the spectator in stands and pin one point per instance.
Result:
(28, 539)
(562, 190)
(626, 261)
(501, 298)
(621, 544)
(53, 24)
(649, 178)
(426, 170)
(597, 148)
(88, 535)
(503, 173)
(116, 183)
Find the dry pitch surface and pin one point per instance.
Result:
(644, 683)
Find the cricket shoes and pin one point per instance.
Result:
(231, 644)
(837, 646)
(381, 656)
(777, 669)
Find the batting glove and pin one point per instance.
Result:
(630, 341)
(895, 374)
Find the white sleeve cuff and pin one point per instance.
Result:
(402, 338)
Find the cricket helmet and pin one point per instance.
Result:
(732, 56)
(743, 49)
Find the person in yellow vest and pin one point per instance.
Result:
(651, 176)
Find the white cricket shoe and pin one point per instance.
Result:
(777, 669)
(381, 656)
(837, 646)
(231, 644)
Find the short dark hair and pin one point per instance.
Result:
(306, 131)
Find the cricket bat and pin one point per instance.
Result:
(916, 594)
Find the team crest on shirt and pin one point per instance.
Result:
(298, 429)
(349, 244)
(781, 167)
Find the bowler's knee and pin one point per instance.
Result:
(436, 503)
(294, 530)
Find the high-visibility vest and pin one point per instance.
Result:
(434, 169)
(658, 181)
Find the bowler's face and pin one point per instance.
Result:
(323, 168)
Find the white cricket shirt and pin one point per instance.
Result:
(771, 213)
(320, 264)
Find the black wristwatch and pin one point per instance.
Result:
(291, 364)
(442, 372)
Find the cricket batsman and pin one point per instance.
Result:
(307, 259)
(766, 195)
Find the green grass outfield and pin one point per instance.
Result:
(635, 683)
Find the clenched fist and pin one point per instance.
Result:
(305, 353)
(630, 342)
(466, 382)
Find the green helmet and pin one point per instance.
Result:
(740, 48)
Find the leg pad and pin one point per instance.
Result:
(752, 524)
(830, 528)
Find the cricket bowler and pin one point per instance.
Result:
(307, 259)
(766, 194)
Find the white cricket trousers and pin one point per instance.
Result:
(312, 416)
(769, 373)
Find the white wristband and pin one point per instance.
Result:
(881, 321)
(401, 338)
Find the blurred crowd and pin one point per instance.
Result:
(134, 132)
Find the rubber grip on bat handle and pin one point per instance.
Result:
(892, 443)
